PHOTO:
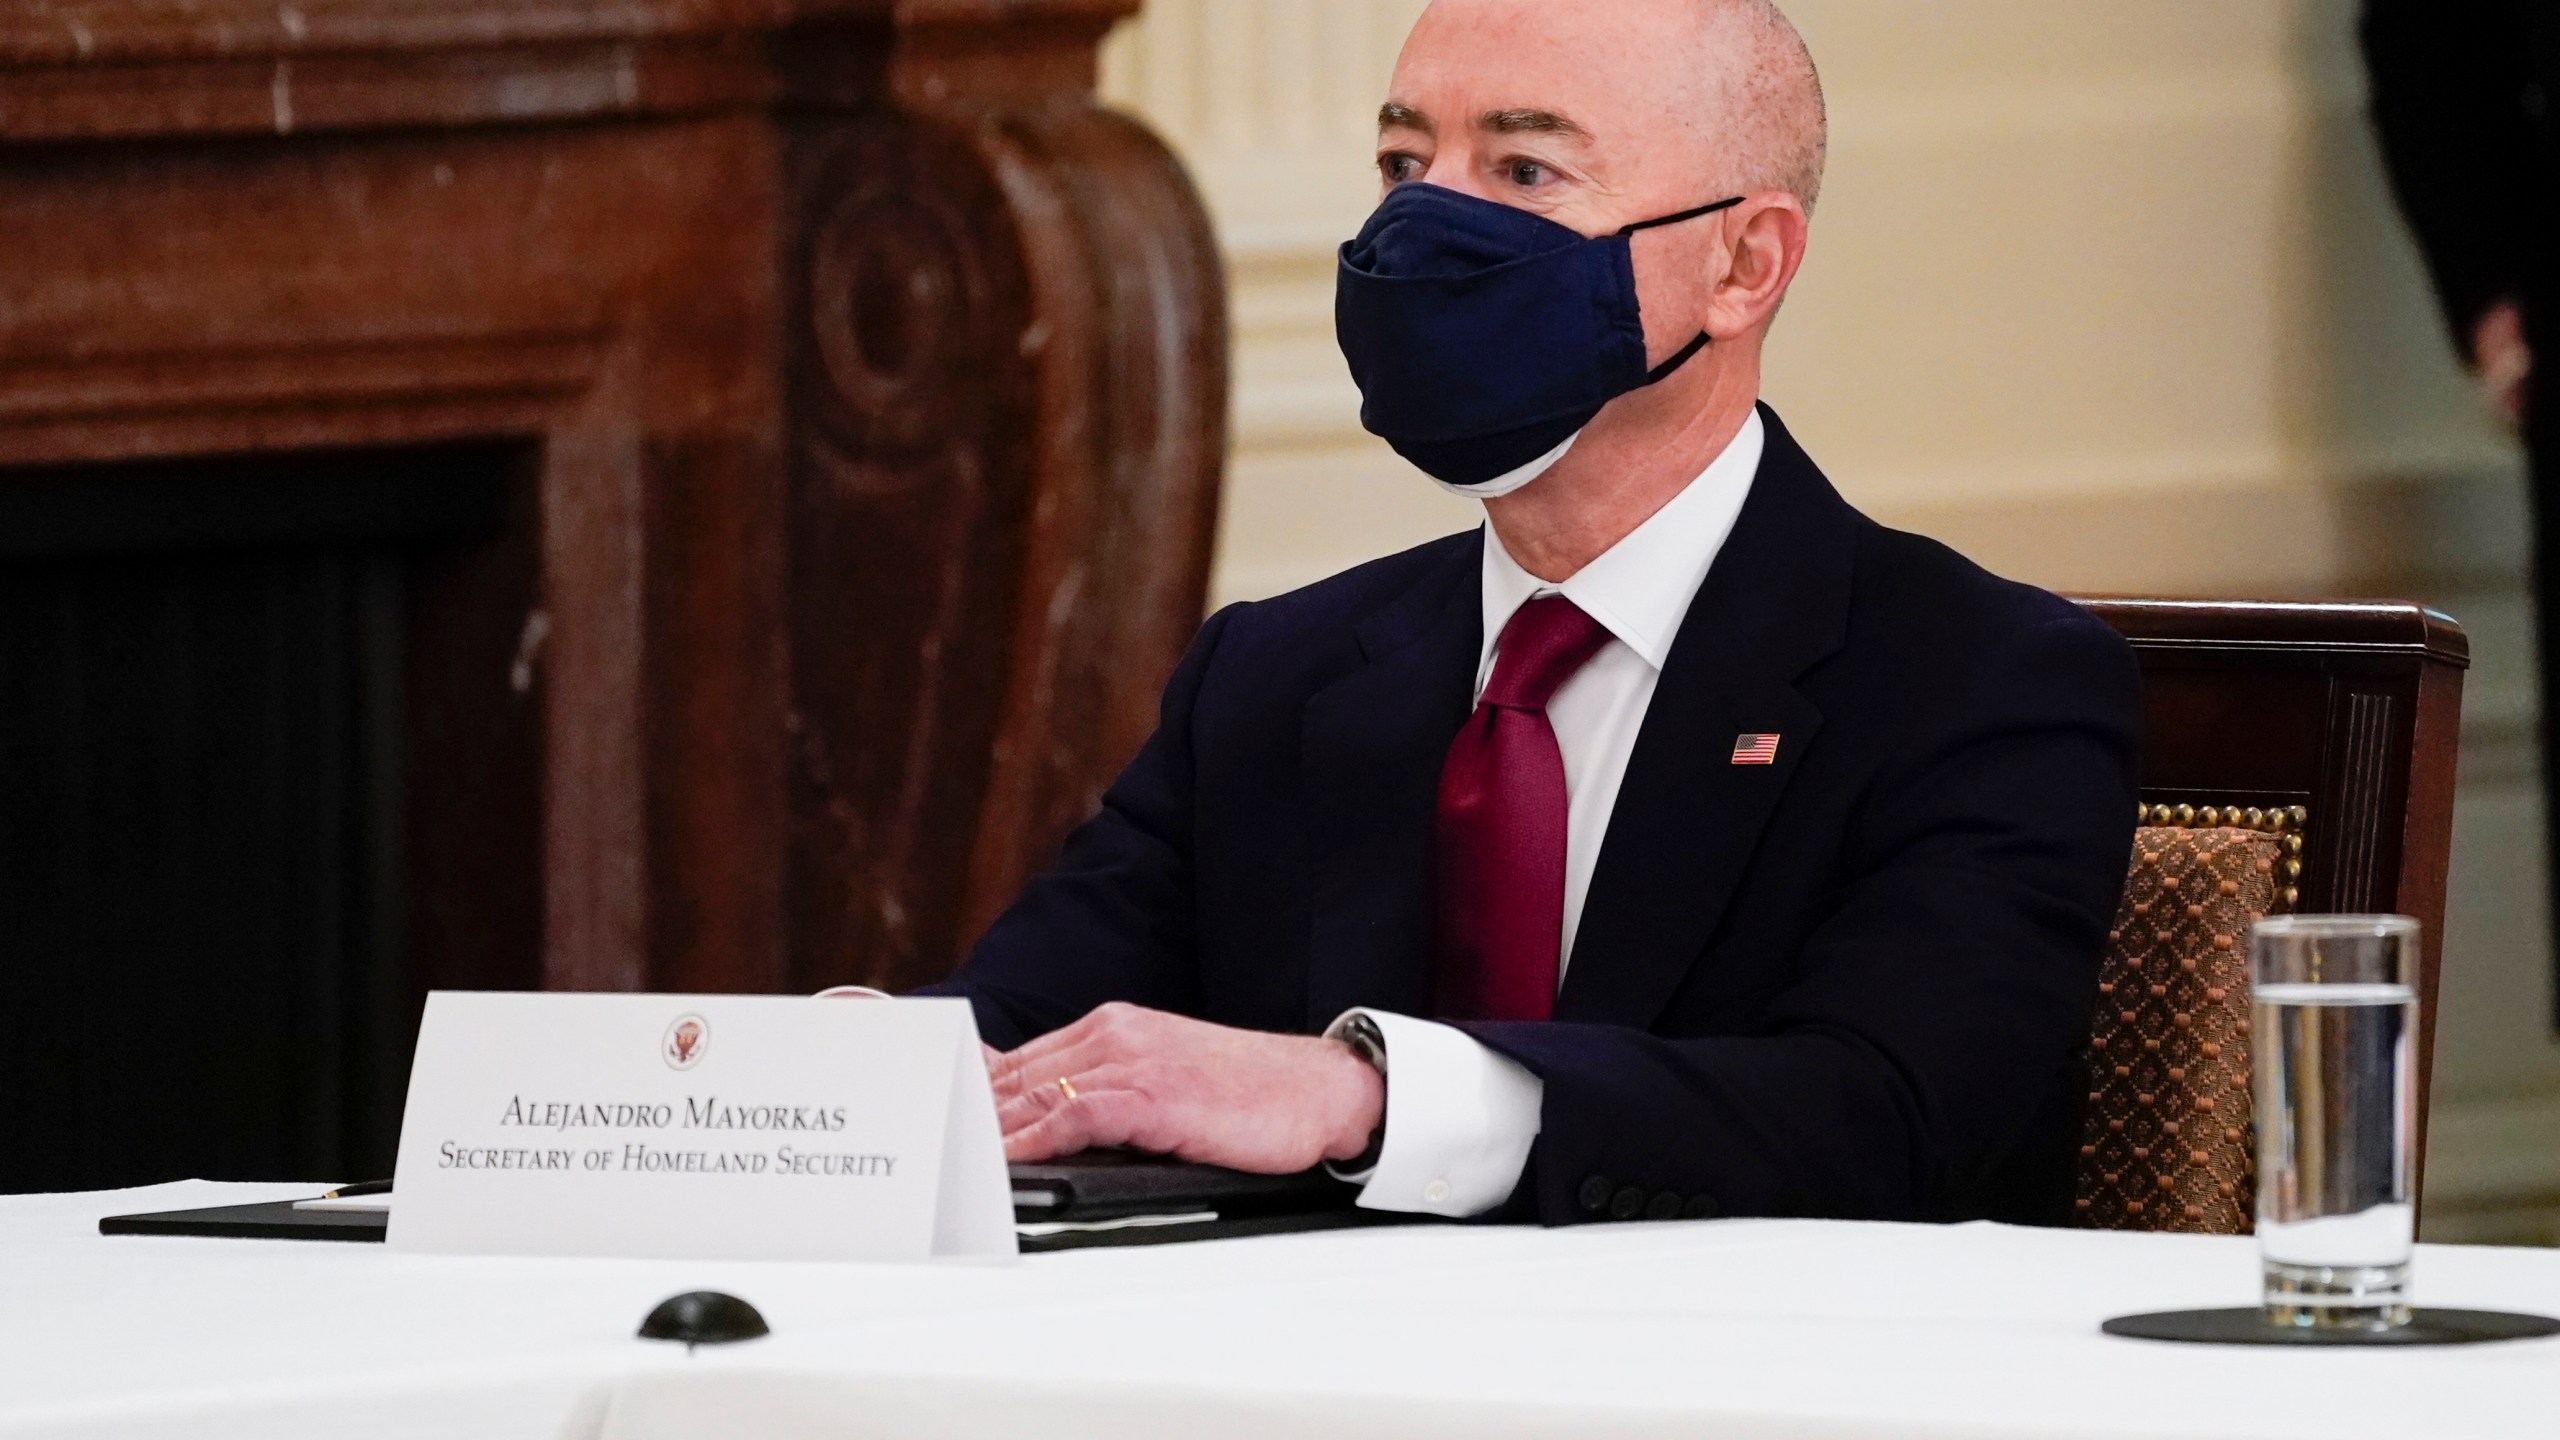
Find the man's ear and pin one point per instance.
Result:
(1768, 238)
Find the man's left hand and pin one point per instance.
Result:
(1268, 1104)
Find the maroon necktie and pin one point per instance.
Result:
(1502, 825)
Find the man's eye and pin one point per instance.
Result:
(1527, 173)
(1399, 167)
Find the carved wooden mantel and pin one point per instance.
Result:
(876, 376)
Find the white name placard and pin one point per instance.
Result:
(703, 1127)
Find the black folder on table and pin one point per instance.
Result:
(273, 1220)
(1121, 1190)
(1119, 1184)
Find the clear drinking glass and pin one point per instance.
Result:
(2333, 1029)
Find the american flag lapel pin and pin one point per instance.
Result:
(1755, 749)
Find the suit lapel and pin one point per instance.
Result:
(1688, 819)
(1372, 745)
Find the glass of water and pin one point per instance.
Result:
(2334, 1030)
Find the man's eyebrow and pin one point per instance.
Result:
(1532, 122)
(1394, 116)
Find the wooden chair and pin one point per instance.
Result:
(2296, 757)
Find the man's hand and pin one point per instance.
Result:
(1269, 1104)
(2504, 360)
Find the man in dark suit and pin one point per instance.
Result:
(2466, 97)
(1681, 844)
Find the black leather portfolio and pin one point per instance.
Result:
(1120, 1184)
(1118, 1190)
(274, 1220)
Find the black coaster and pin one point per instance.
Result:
(2250, 1327)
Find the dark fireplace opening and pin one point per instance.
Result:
(269, 761)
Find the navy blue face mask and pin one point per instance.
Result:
(1485, 338)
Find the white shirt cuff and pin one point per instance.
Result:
(1460, 1120)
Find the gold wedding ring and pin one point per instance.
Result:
(1065, 1088)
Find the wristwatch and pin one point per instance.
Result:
(1361, 1036)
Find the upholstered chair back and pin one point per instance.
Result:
(2166, 1141)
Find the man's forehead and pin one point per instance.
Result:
(1575, 71)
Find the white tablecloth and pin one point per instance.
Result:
(1724, 1329)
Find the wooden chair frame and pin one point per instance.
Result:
(2349, 710)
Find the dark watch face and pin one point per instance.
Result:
(1365, 1041)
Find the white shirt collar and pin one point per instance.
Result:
(1640, 588)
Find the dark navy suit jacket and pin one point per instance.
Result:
(1851, 983)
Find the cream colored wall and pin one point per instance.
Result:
(2106, 293)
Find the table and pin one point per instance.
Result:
(1796, 1329)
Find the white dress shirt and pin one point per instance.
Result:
(1460, 1118)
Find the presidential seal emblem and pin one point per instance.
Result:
(685, 1041)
